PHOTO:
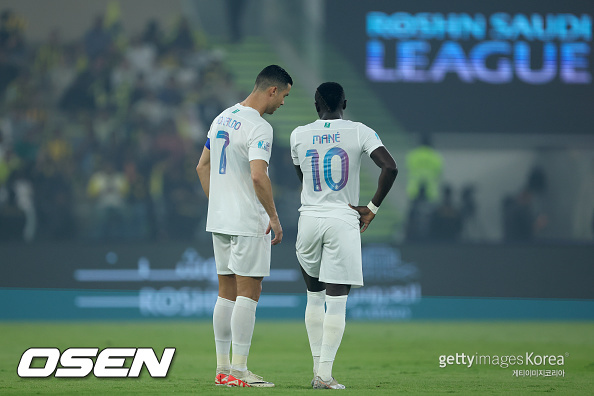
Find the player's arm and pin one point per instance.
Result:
(299, 173)
(384, 160)
(295, 157)
(203, 170)
(263, 188)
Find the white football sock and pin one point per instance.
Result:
(221, 323)
(314, 323)
(334, 322)
(242, 329)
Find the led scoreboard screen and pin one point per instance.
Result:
(468, 66)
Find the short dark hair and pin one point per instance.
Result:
(273, 76)
(330, 95)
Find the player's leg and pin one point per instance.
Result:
(333, 330)
(244, 319)
(339, 269)
(250, 261)
(221, 317)
(309, 252)
(314, 316)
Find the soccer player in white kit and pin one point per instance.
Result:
(233, 171)
(327, 156)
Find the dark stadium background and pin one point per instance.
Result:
(74, 105)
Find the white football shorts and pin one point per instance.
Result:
(330, 249)
(242, 255)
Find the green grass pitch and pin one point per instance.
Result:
(374, 358)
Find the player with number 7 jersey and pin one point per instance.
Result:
(237, 136)
(327, 156)
(233, 172)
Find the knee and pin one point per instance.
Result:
(250, 288)
(337, 290)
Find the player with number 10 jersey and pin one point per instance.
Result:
(329, 154)
(327, 157)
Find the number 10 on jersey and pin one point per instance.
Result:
(315, 168)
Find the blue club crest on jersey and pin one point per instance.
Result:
(264, 145)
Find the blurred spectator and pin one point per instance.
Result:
(17, 206)
(113, 25)
(151, 109)
(22, 91)
(189, 124)
(168, 143)
(212, 101)
(87, 149)
(424, 166)
(12, 47)
(90, 90)
(97, 39)
(522, 216)
(9, 162)
(123, 74)
(8, 27)
(180, 200)
(235, 16)
(58, 147)
(139, 90)
(153, 35)
(3, 145)
(519, 217)
(12, 217)
(183, 37)
(446, 222)
(104, 126)
(54, 199)
(68, 106)
(27, 148)
(418, 225)
(170, 94)
(12, 41)
(108, 189)
(137, 201)
(142, 56)
(8, 71)
(123, 78)
(470, 225)
(50, 54)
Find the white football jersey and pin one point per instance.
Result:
(329, 154)
(236, 137)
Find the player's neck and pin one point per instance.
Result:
(331, 116)
(255, 102)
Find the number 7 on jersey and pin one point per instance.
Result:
(223, 163)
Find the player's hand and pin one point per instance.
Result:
(366, 216)
(275, 226)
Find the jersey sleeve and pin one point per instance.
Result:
(294, 153)
(209, 134)
(260, 143)
(369, 139)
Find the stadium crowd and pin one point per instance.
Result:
(99, 137)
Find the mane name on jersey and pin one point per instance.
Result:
(327, 138)
(230, 122)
